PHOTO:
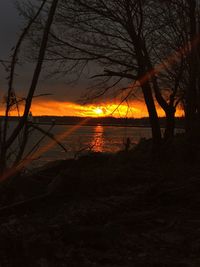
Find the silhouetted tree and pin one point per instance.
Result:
(11, 100)
(184, 33)
(111, 34)
(128, 39)
(168, 48)
(192, 94)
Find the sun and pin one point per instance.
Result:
(98, 111)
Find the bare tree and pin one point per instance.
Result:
(137, 43)
(127, 39)
(192, 95)
(183, 31)
(111, 35)
(7, 142)
(167, 47)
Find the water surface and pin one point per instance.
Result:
(78, 140)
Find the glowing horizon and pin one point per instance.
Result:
(136, 109)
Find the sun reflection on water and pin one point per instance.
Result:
(98, 139)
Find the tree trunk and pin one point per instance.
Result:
(170, 124)
(153, 116)
(191, 114)
(147, 92)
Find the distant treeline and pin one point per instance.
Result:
(70, 120)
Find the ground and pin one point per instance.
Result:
(128, 209)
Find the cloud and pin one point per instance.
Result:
(9, 26)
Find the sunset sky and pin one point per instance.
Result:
(64, 98)
(53, 107)
(136, 109)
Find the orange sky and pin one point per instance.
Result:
(90, 110)
(49, 107)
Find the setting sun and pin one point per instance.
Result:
(98, 111)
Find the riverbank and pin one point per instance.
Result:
(126, 209)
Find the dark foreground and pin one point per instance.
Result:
(128, 209)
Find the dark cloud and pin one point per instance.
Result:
(10, 27)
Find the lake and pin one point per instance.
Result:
(80, 139)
